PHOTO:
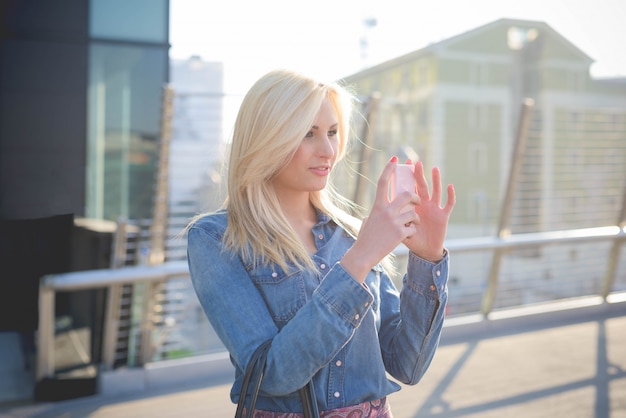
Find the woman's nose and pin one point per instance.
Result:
(327, 147)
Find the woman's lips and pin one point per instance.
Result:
(321, 170)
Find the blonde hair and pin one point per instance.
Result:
(274, 116)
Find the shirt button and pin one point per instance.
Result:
(357, 316)
(438, 273)
(366, 304)
(336, 394)
(320, 236)
(338, 363)
(274, 274)
(432, 287)
(322, 266)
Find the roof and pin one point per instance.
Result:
(436, 47)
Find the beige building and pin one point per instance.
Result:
(457, 103)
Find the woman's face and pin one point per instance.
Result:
(312, 162)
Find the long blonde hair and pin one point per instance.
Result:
(274, 116)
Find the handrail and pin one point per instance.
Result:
(112, 279)
(460, 245)
(89, 279)
(153, 275)
(536, 238)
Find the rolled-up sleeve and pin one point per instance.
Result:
(411, 330)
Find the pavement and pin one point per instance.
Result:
(569, 363)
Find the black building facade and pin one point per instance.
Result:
(80, 100)
(81, 85)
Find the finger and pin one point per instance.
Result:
(382, 188)
(420, 179)
(409, 218)
(409, 232)
(411, 228)
(451, 199)
(406, 198)
(436, 177)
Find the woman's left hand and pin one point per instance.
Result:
(430, 229)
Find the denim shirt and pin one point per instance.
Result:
(324, 324)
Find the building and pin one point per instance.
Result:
(81, 85)
(197, 149)
(457, 104)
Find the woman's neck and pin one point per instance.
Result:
(302, 216)
(299, 211)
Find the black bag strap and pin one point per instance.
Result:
(255, 372)
(309, 403)
(255, 369)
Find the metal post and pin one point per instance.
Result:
(365, 152)
(504, 224)
(45, 333)
(111, 326)
(120, 241)
(613, 261)
(147, 323)
(158, 226)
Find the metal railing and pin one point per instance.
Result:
(151, 277)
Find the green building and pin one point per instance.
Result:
(457, 104)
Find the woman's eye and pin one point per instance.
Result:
(332, 133)
(309, 134)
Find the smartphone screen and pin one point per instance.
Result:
(403, 179)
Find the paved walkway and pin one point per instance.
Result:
(554, 366)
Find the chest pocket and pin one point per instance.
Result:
(284, 294)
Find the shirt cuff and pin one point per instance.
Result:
(426, 277)
(345, 295)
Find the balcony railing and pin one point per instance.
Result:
(487, 274)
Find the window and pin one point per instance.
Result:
(477, 158)
(576, 80)
(422, 117)
(477, 206)
(423, 73)
(478, 116)
(575, 157)
(478, 73)
(124, 102)
(575, 120)
(136, 20)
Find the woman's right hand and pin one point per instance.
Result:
(388, 224)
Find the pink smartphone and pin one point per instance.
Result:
(403, 178)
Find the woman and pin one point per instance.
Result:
(284, 261)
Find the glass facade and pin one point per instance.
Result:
(129, 20)
(126, 81)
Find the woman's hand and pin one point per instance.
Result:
(388, 224)
(429, 231)
(417, 220)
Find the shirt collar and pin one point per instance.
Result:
(322, 218)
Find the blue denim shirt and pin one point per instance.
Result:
(325, 325)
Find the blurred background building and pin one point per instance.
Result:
(457, 104)
(197, 150)
(81, 86)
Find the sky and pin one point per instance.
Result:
(323, 38)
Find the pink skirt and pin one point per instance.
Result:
(374, 409)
